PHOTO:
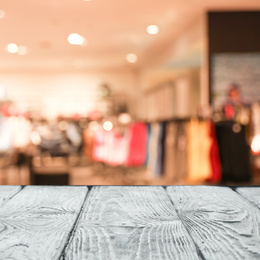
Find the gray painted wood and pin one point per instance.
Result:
(7, 192)
(252, 194)
(129, 223)
(37, 222)
(222, 224)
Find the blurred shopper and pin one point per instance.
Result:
(234, 95)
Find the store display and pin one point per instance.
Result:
(194, 149)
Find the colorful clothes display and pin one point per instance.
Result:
(182, 150)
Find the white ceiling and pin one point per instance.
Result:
(113, 29)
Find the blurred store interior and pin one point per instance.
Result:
(110, 92)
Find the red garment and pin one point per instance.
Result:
(137, 144)
(214, 156)
(229, 111)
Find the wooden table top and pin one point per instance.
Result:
(129, 222)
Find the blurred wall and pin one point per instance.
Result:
(176, 61)
(53, 92)
(66, 92)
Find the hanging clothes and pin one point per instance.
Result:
(160, 150)
(255, 123)
(214, 156)
(147, 143)
(199, 144)
(6, 135)
(181, 150)
(175, 162)
(74, 135)
(88, 138)
(99, 145)
(118, 147)
(21, 132)
(255, 118)
(234, 151)
(137, 144)
(152, 150)
(170, 171)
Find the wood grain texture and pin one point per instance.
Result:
(7, 192)
(121, 222)
(252, 194)
(222, 224)
(36, 224)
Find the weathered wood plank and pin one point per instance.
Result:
(7, 192)
(222, 224)
(36, 224)
(252, 194)
(121, 222)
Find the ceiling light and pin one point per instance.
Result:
(108, 126)
(2, 14)
(22, 50)
(76, 39)
(12, 48)
(131, 57)
(152, 29)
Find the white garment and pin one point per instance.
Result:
(5, 135)
(21, 132)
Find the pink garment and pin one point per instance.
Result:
(137, 144)
(99, 144)
(118, 149)
(110, 147)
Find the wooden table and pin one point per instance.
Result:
(129, 222)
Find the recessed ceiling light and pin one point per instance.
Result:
(152, 29)
(12, 48)
(131, 57)
(2, 14)
(76, 39)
